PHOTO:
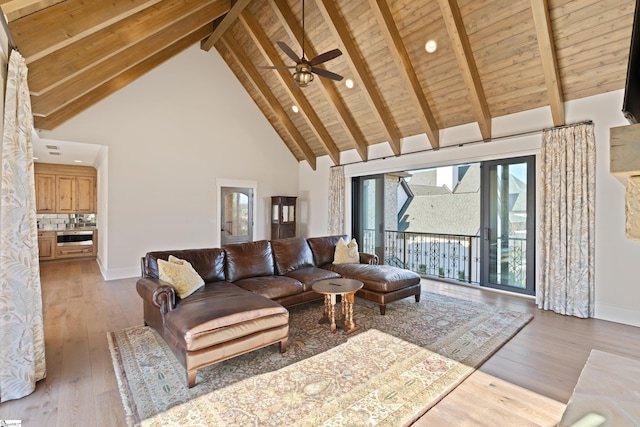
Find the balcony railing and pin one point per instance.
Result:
(448, 256)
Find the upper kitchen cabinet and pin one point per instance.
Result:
(72, 189)
(45, 193)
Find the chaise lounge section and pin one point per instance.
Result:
(247, 286)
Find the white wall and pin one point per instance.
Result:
(617, 281)
(170, 135)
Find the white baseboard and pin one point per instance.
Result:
(119, 273)
(618, 314)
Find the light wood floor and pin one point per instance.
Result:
(526, 383)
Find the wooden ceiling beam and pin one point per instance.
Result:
(464, 55)
(263, 43)
(17, 9)
(222, 26)
(349, 124)
(39, 34)
(119, 81)
(401, 57)
(361, 71)
(106, 44)
(254, 77)
(95, 75)
(544, 34)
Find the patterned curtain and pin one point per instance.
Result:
(336, 200)
(566, 280)
(22, 361)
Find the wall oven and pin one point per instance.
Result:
(75, 238)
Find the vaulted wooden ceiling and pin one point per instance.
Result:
(494, 57)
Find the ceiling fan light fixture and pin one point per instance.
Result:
(302, 76)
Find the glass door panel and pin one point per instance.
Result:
(368, 214)
(508, 213)
(237, 214)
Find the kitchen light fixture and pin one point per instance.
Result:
(349, 83)
(431, 46)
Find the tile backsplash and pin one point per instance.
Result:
(63, 221)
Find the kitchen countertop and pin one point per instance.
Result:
(83, 228)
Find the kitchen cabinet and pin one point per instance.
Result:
(46, 245)
(48, 248)
(86, 192)
(76, 194)
(45, 193)
(65, 189)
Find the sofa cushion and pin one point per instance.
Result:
(252, 259)
(220, 312)
(378, 278)
(271, 287)
(323, 249)
(181, 275)
(346, 253)
(208, 263)
(310, 275)
(291, 254)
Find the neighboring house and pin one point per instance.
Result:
(437, 209)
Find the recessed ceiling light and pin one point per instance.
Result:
(295, 108)
(431, 46)
(36, 158)
(77, 161)
(349, 83)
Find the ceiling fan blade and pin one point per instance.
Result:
(276, 67)
(328, 74)
(290, 53)
(324, 57)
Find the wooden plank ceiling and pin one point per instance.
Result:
(494, 57)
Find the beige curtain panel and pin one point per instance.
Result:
(336, 201)
(22, 361)
(567, 237)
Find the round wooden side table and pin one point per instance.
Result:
(331, 288)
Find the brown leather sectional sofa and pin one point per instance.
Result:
(241, 307)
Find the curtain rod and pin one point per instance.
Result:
(462, 144)
(5, 25)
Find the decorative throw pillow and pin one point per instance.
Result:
(181, 275)
(346, 253)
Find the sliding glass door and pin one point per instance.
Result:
(368, 214)
(508, 219)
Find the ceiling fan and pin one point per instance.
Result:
(306, 68)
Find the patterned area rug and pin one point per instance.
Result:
(387, 373)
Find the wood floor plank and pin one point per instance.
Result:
(525, 383)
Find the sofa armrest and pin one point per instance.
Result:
(368, 259)
(157, 292)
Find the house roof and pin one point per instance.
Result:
(444, 214)
(494, 57)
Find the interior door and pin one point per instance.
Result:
(236, 215)
(508, 217)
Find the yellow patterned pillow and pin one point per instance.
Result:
(181, 275)
(346, 253)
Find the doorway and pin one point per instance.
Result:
(508, 224)
(368, 214)
(236, 215)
